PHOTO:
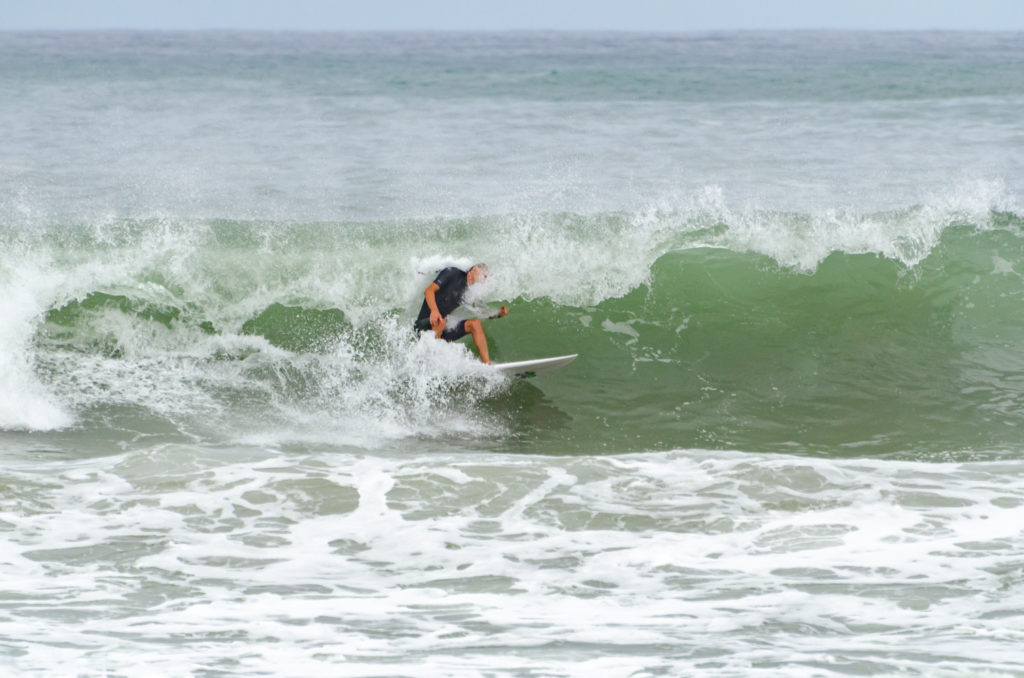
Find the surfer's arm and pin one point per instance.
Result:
(502, 312)
(437, 322)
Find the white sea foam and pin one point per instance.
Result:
(24, 402)
(372, 565)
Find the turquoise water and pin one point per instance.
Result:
(791, 264)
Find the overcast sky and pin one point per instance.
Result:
(669, 15)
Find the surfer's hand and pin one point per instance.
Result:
(503, 311)
(437, 323)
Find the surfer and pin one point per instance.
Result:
(443, 296)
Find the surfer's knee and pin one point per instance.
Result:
(473, 325)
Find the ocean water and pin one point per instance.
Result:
(792, 265)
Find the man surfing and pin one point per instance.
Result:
(443, 296)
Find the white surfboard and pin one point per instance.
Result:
(531, 368)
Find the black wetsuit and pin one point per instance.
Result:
(452, 286)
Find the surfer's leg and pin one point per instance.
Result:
(476, 328)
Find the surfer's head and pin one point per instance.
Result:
(477, 274)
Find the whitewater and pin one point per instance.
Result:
(792, 265)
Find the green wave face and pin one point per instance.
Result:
(729, 350)
(704, 330)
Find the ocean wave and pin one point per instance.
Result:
(701, 325)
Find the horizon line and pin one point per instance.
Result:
(822, 29)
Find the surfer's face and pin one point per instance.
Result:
(475, 275)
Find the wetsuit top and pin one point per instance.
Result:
(452, 286)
